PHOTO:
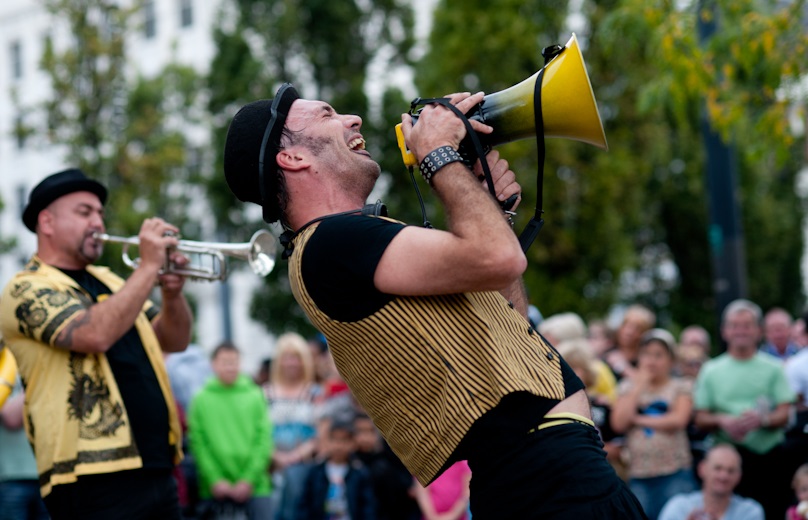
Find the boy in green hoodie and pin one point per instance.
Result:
(230, 436)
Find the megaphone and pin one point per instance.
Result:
(568, 107)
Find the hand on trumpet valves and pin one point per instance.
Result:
(438, 126)
(156, 237)
(171, 283)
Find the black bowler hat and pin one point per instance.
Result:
(55, 186)
(253, 141)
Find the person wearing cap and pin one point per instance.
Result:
(652, 410)
(99, 410)
(743, 397)
(428, 327)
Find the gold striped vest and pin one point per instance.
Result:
(426, 368)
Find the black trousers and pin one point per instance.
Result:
(559, 472)
(126, 495)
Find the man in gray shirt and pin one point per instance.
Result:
(720, 472)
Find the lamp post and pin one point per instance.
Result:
(725, 232)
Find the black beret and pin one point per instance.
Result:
(55, 186)
(253, 141)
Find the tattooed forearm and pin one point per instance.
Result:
(65, 338)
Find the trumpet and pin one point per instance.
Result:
(259, 252)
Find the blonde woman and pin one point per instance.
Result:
(291, 393)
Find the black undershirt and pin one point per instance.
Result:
(142, 397)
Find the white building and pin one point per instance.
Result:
(172, 29)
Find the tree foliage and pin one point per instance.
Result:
(491, 46)
(130, 134)
(626, 225)
(739, 78)
(631, 224)
(325, 49)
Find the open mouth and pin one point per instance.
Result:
(357, 144)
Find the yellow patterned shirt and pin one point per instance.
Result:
(75, 417)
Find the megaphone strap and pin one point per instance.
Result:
(533, 227)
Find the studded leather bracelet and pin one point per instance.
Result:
(437, 159)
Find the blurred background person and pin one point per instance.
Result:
(720, 472)
(799, 333)
(19, 479)
(566, 326)
(583, 362)
(796, 369)
(622, 359)
(742, 397)
(393, 484)
(690, 358)
(292, 394)
(601, 337)
(339, 487)
(777, 325)
(188, 371)
(262, 376)
(230, 434)
(319, 346)
(696, 335)
(447, 497)
(799, 484)
(653, 409)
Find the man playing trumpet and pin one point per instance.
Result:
(428, 327)
(99, 411)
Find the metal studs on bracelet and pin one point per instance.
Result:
(437, 159)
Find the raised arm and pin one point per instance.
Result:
(479, 251)
(100, 325)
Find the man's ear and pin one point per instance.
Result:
(292, 159)
(45, 221)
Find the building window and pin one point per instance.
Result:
(15, 51)
(149, 19)
(186, 13)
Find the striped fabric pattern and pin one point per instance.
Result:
(425, 368)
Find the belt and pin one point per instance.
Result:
(557, 419)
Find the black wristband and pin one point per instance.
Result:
(437, 159)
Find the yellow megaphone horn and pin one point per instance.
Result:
(568, 107)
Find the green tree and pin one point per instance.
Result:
(325, 49)
(6, 244)
(129, 134)
(577, 259)
(631, 224)
(741, 76)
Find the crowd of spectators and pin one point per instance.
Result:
(699, 427)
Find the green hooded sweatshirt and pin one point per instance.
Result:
(230, 435)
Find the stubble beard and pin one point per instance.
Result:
(90, 250)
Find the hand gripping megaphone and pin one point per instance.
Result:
(568, 107)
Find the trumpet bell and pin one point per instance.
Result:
(262, 252)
